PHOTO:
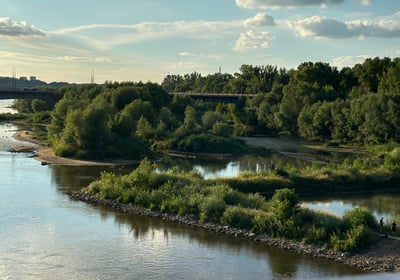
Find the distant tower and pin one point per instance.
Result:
(14, 78)
(92, 78)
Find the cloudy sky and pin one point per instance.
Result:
(132, 40)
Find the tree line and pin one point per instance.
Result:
(315, 101)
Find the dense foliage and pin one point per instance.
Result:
(132, 120)
(314, 101)
(188, 194)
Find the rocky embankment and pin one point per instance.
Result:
(382, 257)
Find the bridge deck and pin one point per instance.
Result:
(25, 94)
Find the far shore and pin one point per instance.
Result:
(45, 154)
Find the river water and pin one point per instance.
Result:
(45, 235)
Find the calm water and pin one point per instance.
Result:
(45, 235)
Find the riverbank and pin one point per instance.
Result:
(45, 154)
(384, 256)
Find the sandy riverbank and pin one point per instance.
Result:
(45, 154)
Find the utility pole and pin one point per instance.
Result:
(92, 78)
(14, 78)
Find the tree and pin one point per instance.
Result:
(221, 129)
(371, 71)
(167, 118)
(139, 108)
(144, 129)
(190, 121)
(390, 81)
(210, 118)
(39, 105)
(284, 203)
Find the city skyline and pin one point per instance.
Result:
(131, 40)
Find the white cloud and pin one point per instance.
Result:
(253, 40)
(84, 59)
(186, 65)
(261, 19)
(321, 27)
(186, 54)
(31, 58)
(11, 28)
(105, 36)
(349, 61)
(277, 4)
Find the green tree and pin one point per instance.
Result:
(210, 118)
(284, 203)
(144, 129)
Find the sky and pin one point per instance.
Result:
(145, 40)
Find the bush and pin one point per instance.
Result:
(208, 143)
(264, 223)
(284, 203)
(234, 197)
(315, 235)
(393, 158)
(238, 217)
(360, 216)
(354, 239)
(211, 209)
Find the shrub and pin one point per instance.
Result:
(393, 158)
(354, 239)
(315, 235)
(238, 217)
(264, 223)
(360, 216)
(284, 203)
(234, 197)
(211, 209)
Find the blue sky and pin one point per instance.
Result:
(133, 40)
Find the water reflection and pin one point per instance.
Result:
(72, 178)
(382, 205)
(280, 264)
(231, 167)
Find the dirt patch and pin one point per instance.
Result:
(45, 154)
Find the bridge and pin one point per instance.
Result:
(26, 94)
(50, 95)
(216, 97)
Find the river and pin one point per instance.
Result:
(46, 235)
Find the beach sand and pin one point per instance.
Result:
(45, 154)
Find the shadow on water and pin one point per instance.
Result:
(283, 264)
